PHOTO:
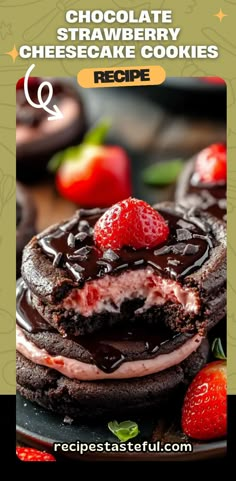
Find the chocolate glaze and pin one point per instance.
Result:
(26, 316)
(176, 258)
(105, 348)
(212, 196)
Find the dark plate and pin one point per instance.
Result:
(40, 429)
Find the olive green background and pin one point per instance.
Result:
(35, 22)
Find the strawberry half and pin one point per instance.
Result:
(204, 413)
(31, 454)
(131, 222)
(211, 166)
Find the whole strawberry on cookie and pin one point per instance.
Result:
(131, 222)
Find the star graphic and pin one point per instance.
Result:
(13, 54)
(220, 15)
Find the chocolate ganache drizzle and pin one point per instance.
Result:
(71, 246)
(210, 197)
(109, 349)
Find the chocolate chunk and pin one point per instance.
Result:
(76, 258)
(183, 234)
(190, 249)
(83, 251)
(106, 267)
(201, 223)
(76, 270)
(81, 236)
(71, 240)
(57, 259)
(178, 248)
(185, 225)
(79, 255)
(162, 251)
(84, 226)
(173, 262)
(139, 262)
(110, 255)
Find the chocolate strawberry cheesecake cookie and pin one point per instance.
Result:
(38, 139)
(131, 261)
(114, 306)
(203, 181)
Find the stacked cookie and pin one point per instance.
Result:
(114, 307)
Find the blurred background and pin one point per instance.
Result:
(154, 124)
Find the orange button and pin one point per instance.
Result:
(120, 76)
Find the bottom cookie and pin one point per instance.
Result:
(89, 399)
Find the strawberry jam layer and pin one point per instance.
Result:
(108, 293)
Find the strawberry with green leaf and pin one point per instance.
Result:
(93, 174)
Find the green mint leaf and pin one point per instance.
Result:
(217, 349)
(162, 173)
(125, 430)
(97, 135)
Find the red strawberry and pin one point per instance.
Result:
(30, 454)
(204, 414)
(32, 82)
(131, 222)
(211, 164)
(93, 175)
(214, 80)
(99, 177)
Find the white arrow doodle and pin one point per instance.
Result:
(56, 113)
